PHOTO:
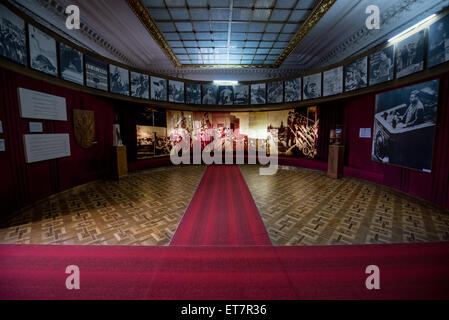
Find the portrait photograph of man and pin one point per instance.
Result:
(404, 126)
(411, 52)
(438, 42)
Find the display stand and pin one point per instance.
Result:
(336, 161)
(121, 162)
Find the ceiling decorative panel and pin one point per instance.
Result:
(210, 33)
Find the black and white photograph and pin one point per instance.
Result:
(71, 64)
(210, 93)
(42, 51)
(96, 74)
(381, 67)
(293, 90)
(333, 82)
(258, 93)
(439, 42)
(158, 89)
(176, 91)
(411, 53)
(275, 91)
(119, 80)
(404, 126)
(356, 74)
(225, 95)
(312, 86)
(139, 85)
(241, 94)
(193, 93)
(12, 36)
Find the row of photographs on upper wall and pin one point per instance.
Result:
(401, 59)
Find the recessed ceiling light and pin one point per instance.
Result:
(226, 82)
(412, 27)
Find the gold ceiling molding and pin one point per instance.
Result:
(142, 13)
(316, 15)
(144, 16)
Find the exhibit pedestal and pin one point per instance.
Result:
(120, 162)
(336, 161)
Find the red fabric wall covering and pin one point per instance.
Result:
(433, 187)
(22, 184)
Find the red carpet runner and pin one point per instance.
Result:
(407, 271)
(222, 212)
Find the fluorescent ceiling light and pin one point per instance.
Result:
(226, 82)
(412, 27)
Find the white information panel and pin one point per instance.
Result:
(365, 133)
(2, 145)
(1, 126)
(38, 105)
(40, 147)
(36, 127)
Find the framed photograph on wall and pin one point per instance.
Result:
(241, 94)
(293, 90)
(438, 51)
(210, 92)
(333, 81)
(404, 126)
(96, 73)
(193, 93)
(119, 80)
(139, 85)
(42, 51)
(158, 88)
(176, 91)
(356, 74)
(225, 95)
(312, 86)
(12, 36)
(381, 67)
(71, 64)
(275, 92)
(258, 93)
(410, 56)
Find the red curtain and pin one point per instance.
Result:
(330, 115)
(21, 183)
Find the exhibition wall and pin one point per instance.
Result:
(143, 102)
(21, 183)
(433, 186)
(352, 115)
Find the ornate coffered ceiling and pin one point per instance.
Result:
(229, 34)
(334, 31)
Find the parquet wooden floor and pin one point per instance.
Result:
(298, 207)
(304, 207)
(143, 209)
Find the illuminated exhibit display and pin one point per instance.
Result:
(297, 130)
